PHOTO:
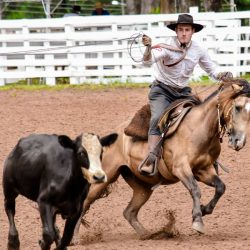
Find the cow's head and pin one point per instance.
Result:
(94, 146)
(76, 145)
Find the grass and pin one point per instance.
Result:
(35, 85)
(88, 86)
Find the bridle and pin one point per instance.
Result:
(223, 125)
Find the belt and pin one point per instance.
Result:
(168, 86)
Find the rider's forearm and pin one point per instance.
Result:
(147, 56)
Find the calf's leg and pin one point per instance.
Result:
(95, 192)
(47, 217)
(68, 231)
(57, 232)
(9, 204)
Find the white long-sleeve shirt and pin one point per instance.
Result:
(179, 74)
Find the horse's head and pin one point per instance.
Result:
(236, 113)
(237, 128)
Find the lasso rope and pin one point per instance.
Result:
(36, 52)
(134, 39)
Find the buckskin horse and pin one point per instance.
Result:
(187, 156)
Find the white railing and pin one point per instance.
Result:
(95, 49)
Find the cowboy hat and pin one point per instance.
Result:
(185, 19)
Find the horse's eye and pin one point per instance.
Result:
(238, 109)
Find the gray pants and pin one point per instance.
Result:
(160, 96)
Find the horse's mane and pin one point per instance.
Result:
(211, 95)
(227, 83)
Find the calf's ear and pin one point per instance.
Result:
(65, 141)
(78, 141)
(108, 139)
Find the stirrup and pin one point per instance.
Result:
(155, 165)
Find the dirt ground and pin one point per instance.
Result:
(74, 111)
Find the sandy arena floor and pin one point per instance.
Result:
(74, 111)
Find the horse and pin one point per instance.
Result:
(187, 156)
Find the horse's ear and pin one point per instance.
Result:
(242, 88)
(237, 87)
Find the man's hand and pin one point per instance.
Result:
(224, 76)
(146, 40)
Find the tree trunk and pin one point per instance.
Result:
(131, 9)
(183, 5)
(212, 5)
(168, 6)
(1, 9)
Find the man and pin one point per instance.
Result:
(76, 10)
(173, 67)
(99, 10)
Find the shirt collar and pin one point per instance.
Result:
(179, 44)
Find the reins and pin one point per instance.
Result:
(223, 128)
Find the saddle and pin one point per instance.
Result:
(172, 117)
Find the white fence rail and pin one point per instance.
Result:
(95, 49)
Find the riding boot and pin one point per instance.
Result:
(149, 165)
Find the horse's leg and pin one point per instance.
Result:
(49, 234)
(9, 204)
(211, 179)
(141, 193)
(95, 192)
(185, 175)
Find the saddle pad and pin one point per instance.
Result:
(139, 125)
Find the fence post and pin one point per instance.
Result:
(69, 30)
(26, 45)
(2, 68)
(51, 81)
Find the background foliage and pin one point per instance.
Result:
(28, 9)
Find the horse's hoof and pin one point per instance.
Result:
(145, 236)
(199, 227)
(75, 241)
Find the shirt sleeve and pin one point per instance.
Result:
(208, 65)
(157, 54)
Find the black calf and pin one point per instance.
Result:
(47, 169)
